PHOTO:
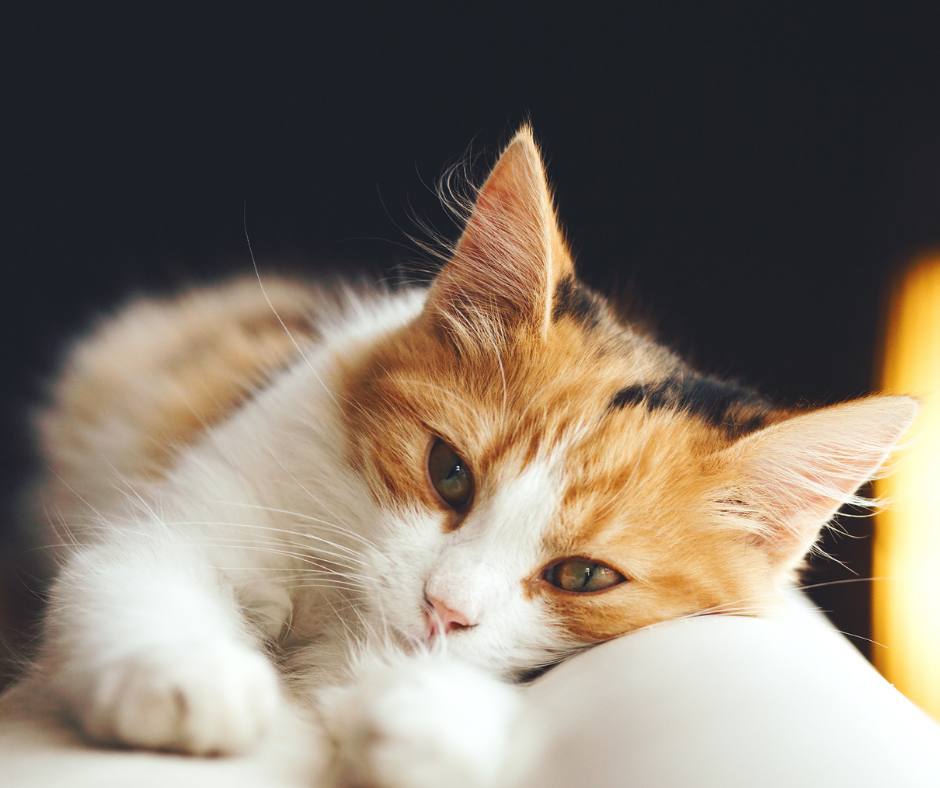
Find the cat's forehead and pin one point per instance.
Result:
(607, 404)
(579, 378)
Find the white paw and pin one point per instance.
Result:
(202, 698)
(424, 723)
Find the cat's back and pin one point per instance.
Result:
(148, 381)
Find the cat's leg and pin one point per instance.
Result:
(147, 647)
(422, 721)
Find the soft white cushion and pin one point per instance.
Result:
(711, 701)
(731, 701)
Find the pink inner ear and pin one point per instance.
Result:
(502, 267)
(504, 228)
(797, 473)
(795, 503)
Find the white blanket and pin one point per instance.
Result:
(711, 701)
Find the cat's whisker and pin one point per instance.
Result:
(337, 526)
(859, 637)
(351, 554)
(74, 493)
(277, 315)
(844, 581)
(350, 633)
(330, 583)
(322, 566)
(61, 529)
(817, 550)
(319, 524)
(272, 548)
(305, 489)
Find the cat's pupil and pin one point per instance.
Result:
(582, 575)
(449, 475)
(574, 575)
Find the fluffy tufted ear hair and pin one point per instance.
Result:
(511, 255)
(792, 477)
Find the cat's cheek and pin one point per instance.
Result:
(398, 570)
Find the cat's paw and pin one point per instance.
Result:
(205, 698)
(425, 723)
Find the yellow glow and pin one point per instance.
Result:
(906, 604)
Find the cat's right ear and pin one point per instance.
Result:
(511, 256)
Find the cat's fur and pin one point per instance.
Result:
(239, 478)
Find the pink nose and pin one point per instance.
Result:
(444, 619)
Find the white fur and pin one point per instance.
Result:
(423, 722)
(476, 569)
(147, 649)
(263, 532)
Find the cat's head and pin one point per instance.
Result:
(549, 478)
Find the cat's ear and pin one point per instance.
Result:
(791, 477)
(511, 256)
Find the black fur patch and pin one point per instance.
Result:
(574, 300)
(736, 409)
(631, 395)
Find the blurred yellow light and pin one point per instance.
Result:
(906, 602)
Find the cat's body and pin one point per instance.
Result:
(407, 499)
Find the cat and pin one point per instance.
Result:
(398, 505)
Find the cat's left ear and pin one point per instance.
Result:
(511, 256)
(792, 477)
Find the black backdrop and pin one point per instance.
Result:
(754, 174)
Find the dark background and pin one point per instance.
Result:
(755, 175)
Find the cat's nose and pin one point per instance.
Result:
(442, 618)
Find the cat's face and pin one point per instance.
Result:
(496, 471)
(552, 479)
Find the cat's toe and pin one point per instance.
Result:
(425, 724)
(203, 699)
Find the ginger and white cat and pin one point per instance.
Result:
(392, 505)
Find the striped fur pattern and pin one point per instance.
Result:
(274, 474)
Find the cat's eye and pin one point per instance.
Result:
(581, 576)
(449, 475)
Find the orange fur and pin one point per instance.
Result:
(638, 485)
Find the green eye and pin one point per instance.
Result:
(582, 576)
(449, 475)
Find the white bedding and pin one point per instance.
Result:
(711, 701)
